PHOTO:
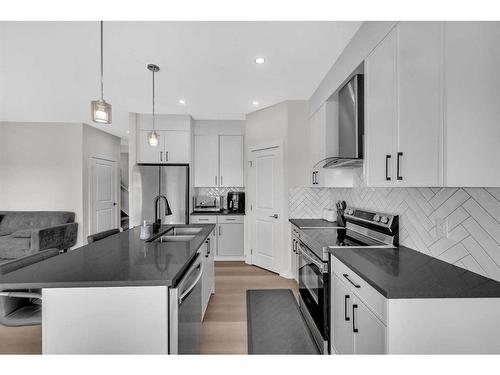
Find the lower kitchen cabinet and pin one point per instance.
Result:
(363, 321)
(369, 331)
(228, 243)
(208, 277)
(230, 240)
(343, 336)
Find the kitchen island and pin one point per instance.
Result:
(114, 295)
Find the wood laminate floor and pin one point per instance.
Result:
(225, 323)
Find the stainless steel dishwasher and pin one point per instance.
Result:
(185, 311)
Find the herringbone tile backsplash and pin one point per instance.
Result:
(473, 216)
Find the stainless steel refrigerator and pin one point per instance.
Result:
(169, 180)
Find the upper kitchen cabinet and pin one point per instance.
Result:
(323, 141)
(175, 139)
(472, 110)
(381, 112)
(231, 160)
(206, 160)
(404, 116)
(218, 161)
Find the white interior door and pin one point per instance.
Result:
(266, 178)
(103, 195)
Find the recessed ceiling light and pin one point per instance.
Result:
(260, 60)
(255, 103)
(182, 101)
(128, 131)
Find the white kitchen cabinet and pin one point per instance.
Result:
(218, 161)
(177, 146)
(471, 101)
(206, 160)
(323, 140)
(174, 147)
(369, 332)
(380, 113)
(231, 160)
(420, 122)
(404, 116)
(230, 240)
(208, 277)
(145, 152)
(343, 339)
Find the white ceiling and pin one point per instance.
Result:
(49, 71)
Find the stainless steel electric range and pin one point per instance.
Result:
(363, 229)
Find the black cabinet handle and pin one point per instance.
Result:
(354, 329)
(346, 297)
(387, 158)
(399, 177)
(352, 282)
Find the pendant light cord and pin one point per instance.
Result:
(102, 58)
(153, 99)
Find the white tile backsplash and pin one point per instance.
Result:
(472, 214)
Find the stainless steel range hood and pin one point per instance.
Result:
(351, 126)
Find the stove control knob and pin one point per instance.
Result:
(384, 219)
(376, 218)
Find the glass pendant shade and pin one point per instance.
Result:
(101, 111)
(153, 138)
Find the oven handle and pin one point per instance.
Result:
(303, 253)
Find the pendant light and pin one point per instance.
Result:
(100, 109)
(153, 136)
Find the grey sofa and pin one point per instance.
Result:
(27, 232)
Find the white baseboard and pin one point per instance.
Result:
(230, 259)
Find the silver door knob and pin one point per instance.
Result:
(275, 216)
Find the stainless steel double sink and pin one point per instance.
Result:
(179, 234)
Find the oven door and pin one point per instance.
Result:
(313, 288)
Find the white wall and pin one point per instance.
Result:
(286, 123)
(97, 143)
(41, 168)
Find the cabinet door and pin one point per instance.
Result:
(147, 153)
(380, 113)
(206, 160)
(230, 240)
(177, 146)
(231, 160)
(371, 332)
(205, 279)
(343, 339)
(471, 101)
(317, 145)
(420, 122)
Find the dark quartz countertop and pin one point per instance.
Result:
(313, 223)
(119, 260)
(221, 212)
(401, 272)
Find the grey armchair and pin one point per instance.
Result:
(22, 307)
(27, 232)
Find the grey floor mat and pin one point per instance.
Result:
(275, 324)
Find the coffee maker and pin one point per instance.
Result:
(236, 201)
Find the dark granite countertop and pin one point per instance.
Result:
(119, 260)
(221, 212)
(401, 272)
(313, 223)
